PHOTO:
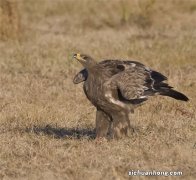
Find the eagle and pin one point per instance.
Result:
(116, 88)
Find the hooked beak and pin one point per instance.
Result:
(78, 57)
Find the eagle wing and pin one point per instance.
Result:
(133, 81)
(136, 82)
(81, 76)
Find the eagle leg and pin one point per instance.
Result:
(103, 123)
(121, 125)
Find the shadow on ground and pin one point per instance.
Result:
(57, 132)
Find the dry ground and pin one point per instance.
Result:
(47, 124)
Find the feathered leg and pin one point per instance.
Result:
(102, 124)
(122, 125)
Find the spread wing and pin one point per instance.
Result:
(81, 76)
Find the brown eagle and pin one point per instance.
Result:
(116, 87)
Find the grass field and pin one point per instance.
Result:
(46, 122)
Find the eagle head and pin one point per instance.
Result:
(85, 60)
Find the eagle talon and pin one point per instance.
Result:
(99, 140)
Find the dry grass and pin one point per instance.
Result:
(10, 27)
(46, 122)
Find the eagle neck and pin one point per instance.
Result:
(93, 69)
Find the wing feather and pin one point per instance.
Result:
(81, 76)
(137, 82)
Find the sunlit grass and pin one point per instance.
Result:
(46, 122)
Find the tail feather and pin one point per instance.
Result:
(174, 94)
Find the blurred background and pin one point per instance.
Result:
(46, 122)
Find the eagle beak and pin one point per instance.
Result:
(78, 57)
(75, 55)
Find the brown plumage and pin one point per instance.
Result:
(116, 87)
